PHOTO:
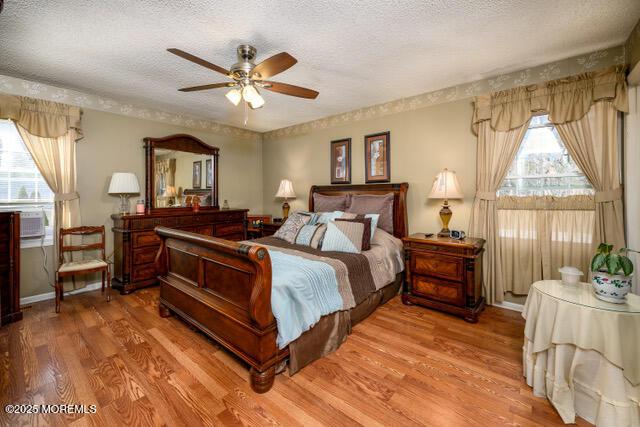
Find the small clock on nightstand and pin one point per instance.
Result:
(444, 274)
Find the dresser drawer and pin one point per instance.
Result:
(207, 230)
(145, 238)
(144, 272)
(441, 290)
(447, 267)
(228, 229)
(237, 237)
(144, 255)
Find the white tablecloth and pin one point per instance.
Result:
(583, 357)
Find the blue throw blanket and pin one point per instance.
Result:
(302, 291)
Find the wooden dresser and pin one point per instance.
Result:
(136, 243)
(9, 267)
(444, 274)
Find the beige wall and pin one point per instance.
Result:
(113, 143)
(423, 142)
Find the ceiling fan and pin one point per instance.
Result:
(248, 77)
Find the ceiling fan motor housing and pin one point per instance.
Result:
(242, 69)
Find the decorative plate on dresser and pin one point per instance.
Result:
(444, 274)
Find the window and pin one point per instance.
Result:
(543, 166)
(22, 187)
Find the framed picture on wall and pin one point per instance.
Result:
(377, 153)
(208, 173)
(341, 161)
(197, 173)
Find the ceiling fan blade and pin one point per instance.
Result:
(205, 87)
(274, 65)
(199, 61)
(292, 90)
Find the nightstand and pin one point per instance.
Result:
(444, 274)
(269, 228)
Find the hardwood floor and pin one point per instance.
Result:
(402, 366)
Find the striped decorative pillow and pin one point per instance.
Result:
(343, 237)
(311, 235)
(318, 237)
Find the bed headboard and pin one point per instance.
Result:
(400, 223)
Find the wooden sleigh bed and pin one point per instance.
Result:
(223, 288)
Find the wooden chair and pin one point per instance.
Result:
(86, 266)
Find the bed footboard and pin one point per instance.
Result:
(223, 288)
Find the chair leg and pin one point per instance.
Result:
(57, 288)
(108, 284)
(103, 275)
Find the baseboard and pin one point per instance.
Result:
(51, 295)
(509, 306)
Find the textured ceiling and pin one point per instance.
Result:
(354, 53)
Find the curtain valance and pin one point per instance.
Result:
(565, 100)
(548, 203)
(46, 119)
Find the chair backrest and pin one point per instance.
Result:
(80, 231)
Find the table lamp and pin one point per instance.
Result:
(170, 193)
(123, 184)
(445, 186)
(285, 191)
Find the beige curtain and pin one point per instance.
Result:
(584, 109)
(565, 100)
(50, 131)
(496, 151)
(536, 238)
(46, 119)
(592, 141)
(56, 161)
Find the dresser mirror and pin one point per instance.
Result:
(181, 171)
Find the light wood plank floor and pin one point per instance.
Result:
(402, 366)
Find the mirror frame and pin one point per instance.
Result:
(178, 142)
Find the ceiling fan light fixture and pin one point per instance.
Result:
(258, 102)
(250, 94)
(234, 96)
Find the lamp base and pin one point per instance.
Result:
(445, 232)
(445, 217)
(124, 204)
(285, 210)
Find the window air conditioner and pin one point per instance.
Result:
(32, 224)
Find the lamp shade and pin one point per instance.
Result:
(285, 190)
(446, 186)
(170, 191)
(124, 183)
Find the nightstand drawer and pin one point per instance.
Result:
(447, 267)
(441, 290)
